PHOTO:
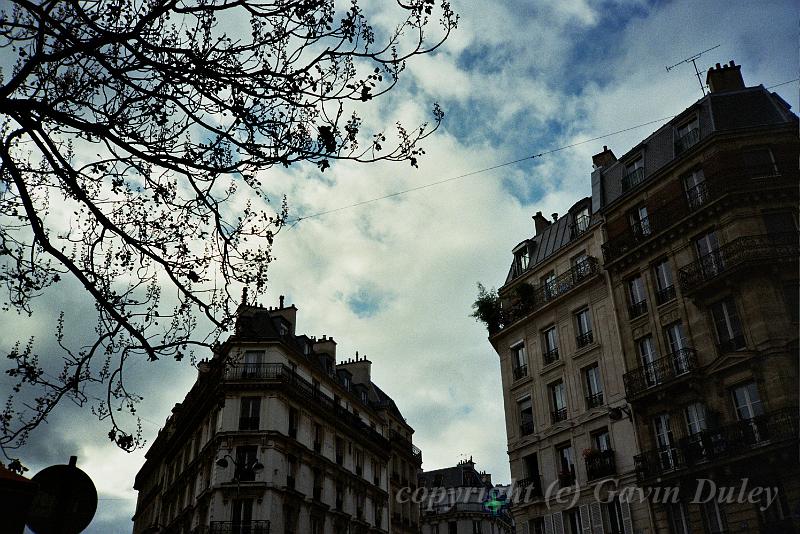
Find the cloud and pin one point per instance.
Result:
(395, 279)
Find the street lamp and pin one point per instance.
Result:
(248, 467)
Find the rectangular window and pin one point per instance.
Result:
(713, 517)
(242, 511)
(452, 527)
(648, 356)
(477, 527)
(727, 325)
(291, 472)
(583, 323)
(686, 135)
(359, 454)
(550, 345)
(711, 259)
(566, 464)
(678, 518)
(594, 387)
(601, 440)
(246, 459)
(694, 184)
(612, 513)
(525, 408)
(558, 401)
(339, 450)
(678, 345)
(637, 297)
(519, 360)
(634, 173)
(249, 413)
(536, 526)
(294, 418)
(521, 259)
(747, 401)
(664, 440)
(695, 418)
(665, 286)
(580, 222)
(791, 296)
(758, 162)
(548, 285)
(252, 363)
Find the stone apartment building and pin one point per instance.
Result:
(276, 436)
(561, 367)
(702, 254)
(692, 321)
(462, 500)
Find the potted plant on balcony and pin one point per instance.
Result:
(487, 308)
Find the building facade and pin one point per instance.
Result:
(276, 436)
(702, 254)
(561, 368)
(461, 500)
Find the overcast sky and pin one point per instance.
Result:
(395, 279)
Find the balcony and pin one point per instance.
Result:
(520, 372)
(526, 428)
(601, 464)
(665, 295)
(736, 255)
(558, 415)
(595, 400)
(550, 356)
(584, 339)
(630, 180)
(687, 141)
(661, 371)
(239, 527)
(406, 445)
(285, 376)
(637, 309)
(512, 311)
(677, 208)
(530, 486)
(567, 478)
(580, 226)
(720, 445)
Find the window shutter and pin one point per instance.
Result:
(597, 518)
(627, 522)
(585, 521)
(548, 524)
(558, 523)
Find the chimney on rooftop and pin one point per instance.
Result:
(604, 158)
(540, 222)
(725, 78)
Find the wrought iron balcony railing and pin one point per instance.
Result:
(688, 140)
(665, 295)
(632, 178)
(526, 428)
(601, 464)
(666, 215)
(239, 527)
(733, 344)
(567, 478)
(558, 415)
(285, 375)
(548, 292)
(405, 444)
(530, 486)
(550, 356)
(580, 226)
(720, 444)
(520, 372)
(595, 400)
(637, 308)
(660, 371)
(740, 252)
(584, 339)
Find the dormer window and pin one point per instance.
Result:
(634, 173)
(580, 222)
(346, 382)
(687, 135)
(521, 259)
(364, 397)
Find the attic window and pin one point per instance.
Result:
(687, 135)
(283, 330)
(346, 382)
(522, 259)
(580, 222)
(634, 173)
(364, 396)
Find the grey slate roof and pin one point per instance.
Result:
(461, 475)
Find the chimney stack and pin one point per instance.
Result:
(540, 222)
(604, 158)
(721, 78)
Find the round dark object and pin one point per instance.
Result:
(65, 503)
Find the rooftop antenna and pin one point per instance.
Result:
(693, 59)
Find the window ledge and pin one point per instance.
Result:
(586, 349)
(551, 366)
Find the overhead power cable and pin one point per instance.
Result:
(293, 222)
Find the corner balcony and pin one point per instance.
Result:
(753, 179)
(659, 374)
(549, 292)
(739, 254)
(284, 376)
(405, 445)
(724, 444)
